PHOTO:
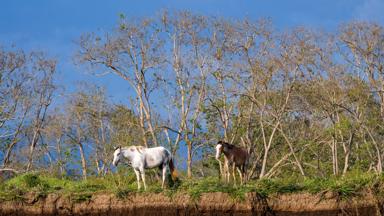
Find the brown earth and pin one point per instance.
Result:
(208, 204)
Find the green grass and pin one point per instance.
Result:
(123, 185)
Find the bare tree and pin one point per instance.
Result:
(26, 88)
(190, 65)
(134, 52)
(364, 43)
(43, 88)
(54, 132)
(76, 127)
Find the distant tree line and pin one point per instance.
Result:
(301, 101)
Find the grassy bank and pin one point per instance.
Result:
(123, 186)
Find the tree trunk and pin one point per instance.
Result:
(32, 149)
(59, 157)
(379, 166)
(348, 153)
(8, 153)
(99, 169)
(14, 140)
(151, 130)
(264, 163)
(266, 150)
(298, 163)
(334, 157)
(142, 124)
(346, 163)
(189, 159)
(40, 117)
(83, 161)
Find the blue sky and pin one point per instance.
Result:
(53, 26)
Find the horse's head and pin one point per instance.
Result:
(117, 155)
(219, 149)
(223, 147)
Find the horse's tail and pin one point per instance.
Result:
(172, 169)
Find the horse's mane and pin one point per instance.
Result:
(228, 145)
(139, 149)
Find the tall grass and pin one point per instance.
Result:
(122, 185)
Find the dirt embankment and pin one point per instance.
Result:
(208, 204)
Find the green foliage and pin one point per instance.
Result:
(122, 193)
(266, 187)
(31, 180)
(123, 186)
(126, 126)
(206, 185)
(8, 194)
(196, 187)
(16, 187)
(255, 100)
(89, 186)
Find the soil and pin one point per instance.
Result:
(137, 204)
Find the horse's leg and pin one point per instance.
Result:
(143, 178)
(234, 173)
(241, 175)
(228, 172)
(137, 172)
(226, 169)
(222, 174)
(244, 171)
(164, 173)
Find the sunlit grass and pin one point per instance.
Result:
(122, 185)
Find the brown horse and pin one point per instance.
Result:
(234, 156)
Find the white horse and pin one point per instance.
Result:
(141, 158)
